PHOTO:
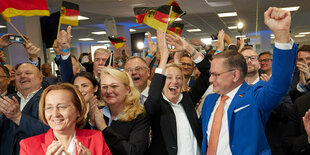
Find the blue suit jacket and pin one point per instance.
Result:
(251, 106)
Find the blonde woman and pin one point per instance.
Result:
(124, 123)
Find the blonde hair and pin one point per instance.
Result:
(132, 107)
(77, 99)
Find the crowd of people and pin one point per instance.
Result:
(175, 101)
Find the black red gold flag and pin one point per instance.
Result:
(153, 17)
(118, 42)
(176, 28)
(69, 13)
(12, 8)
(176, 10)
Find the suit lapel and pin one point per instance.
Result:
(34, 100)
(239, 95)
(210, 105)
(48, 139)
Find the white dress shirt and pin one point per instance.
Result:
(24, 101)
(186, 140)
(223, 142)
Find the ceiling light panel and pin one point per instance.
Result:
(228, 14)
(193, 30)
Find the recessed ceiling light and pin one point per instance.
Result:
(243, 36)
(193, 30)
(232, 27)
(2, 26)
(300, 35)
(304, 33)
(103, 41)
(99, 32)
(146, 33)
(86, 39)
(178, 19)
(132, 30)
(228, 14)
(82, 18)
(271, 35)
(295, 8)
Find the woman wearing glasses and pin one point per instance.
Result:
(174, 123)
(124, 123)
(63, 108)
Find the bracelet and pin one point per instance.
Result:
(65, 50)
(155, 65)
(300, 86)
(217, 51)
(193, 53)
(148, 55)
(1, 49)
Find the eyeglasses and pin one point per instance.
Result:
(219, 74)
(60, 108)
(303, 59)
(136, 69)
(186, 65)
(252, 58)
(264, 60)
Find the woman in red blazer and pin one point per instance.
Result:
(62, 107)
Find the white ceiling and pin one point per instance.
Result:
(199, 14)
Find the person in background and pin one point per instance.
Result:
(265, 61)
(64, 114)
(47, 70)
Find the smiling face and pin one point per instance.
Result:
(221, 77)
(86, 87)
(139, 72)
(265, 62)
(173, 85)
(112, 91)
(28, 78)
(60, 112)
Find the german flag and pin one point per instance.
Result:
(176, 10)
(176, 28)
(69, 13)
(12, 8)
(118, 42)
(153, 17)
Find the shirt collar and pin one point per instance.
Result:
(145, 92)
(30, 95)
(232, 93)
(180, 98)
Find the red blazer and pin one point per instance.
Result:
(92, 139)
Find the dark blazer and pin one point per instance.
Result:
(251, 106)
(128, 138)
(91, 139)
(295, 138)
(163, 121)
(294, 93)
(30, 125)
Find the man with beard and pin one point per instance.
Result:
(251, 58)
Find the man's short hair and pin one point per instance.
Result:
(234, 60)
(305, 48)
(247, 48)
(6, 71)
(102, 50)
(136, 57)
(264, 53)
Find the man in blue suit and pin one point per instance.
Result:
(239, 128)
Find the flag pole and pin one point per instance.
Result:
(58, 27)
(168, 19)
(21, 35)
(176, 18)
